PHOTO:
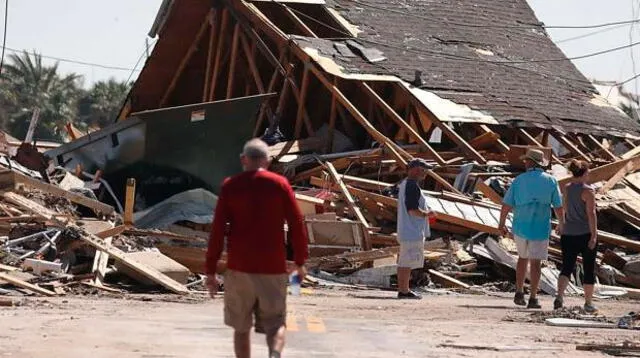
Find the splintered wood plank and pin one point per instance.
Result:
(617, 177)
(347, 195)
(219, 48)
(488, 192)
(447, 280)
(233, 61)
(26, 285)
(604, 172)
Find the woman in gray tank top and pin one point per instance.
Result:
(579, 234)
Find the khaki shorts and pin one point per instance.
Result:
(411, 254)
(532, 249)
(248, 295)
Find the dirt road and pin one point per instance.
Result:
(325, 324)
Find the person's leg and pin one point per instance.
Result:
(521, 274)
(536, 270)
(404, 276)
(242, 344)
(589, 265)
(239, 300)
(569, 256)
(272, 311)
(275, 341)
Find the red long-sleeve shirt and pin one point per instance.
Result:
(252, 209)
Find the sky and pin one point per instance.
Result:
(113, 33)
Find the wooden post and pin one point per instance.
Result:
(185, 59)
(301, 102)
(332, 124)
(220, 44)
(401, 122)
(233, 60)
(212, 43)
(130, 198)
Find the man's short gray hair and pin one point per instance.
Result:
(256, 149)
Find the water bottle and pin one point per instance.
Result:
(294, 282)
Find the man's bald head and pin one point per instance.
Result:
(255, 155)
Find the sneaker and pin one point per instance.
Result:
(409, 296)
(534, 303)
(590, 308)
(518, 299)
(558, 303)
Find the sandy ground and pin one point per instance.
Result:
(326, 323)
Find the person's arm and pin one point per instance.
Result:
(412, 195)
(297, 230)
(557, 204)
(507, 206)
(504, 212)
(216, 241)
(589, 198)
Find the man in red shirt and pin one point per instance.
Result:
(251, 212)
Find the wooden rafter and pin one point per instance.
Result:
(305, 29)
(528, 138)
(185, 59)
(252, 64)
(220, 44)
(347, 195)
(301, 102)
(401, 122)
(605, 152)
(265, 107)
(233, 60)
(502, 146)
(332, 123)
(212, 42)
(572, 147)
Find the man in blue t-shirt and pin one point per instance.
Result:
(531, 197)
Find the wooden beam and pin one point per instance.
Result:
(604, 172)
(26, 285)
(233, 60)
(570, 145)
(442, 181)
(305, 29)
(373, 132)
(606, 152)
(252, 64)
(632, 153)
(502, 146)
(301, 103)
(358, 182)
(447, 280)
(488, 192)
(265, 105)
(401, 122)
(130, 199)
(426, 114)
(185, 59)
(332, 124)
(532, 141)
(210, 53)
(617, 177)
(220, 45)
(347, 195)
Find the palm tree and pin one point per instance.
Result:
(101, 104)
(27, 84)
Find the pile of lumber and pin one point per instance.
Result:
(47, 247)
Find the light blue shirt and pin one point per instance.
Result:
(532, 195)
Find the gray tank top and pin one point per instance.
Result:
(576, 220)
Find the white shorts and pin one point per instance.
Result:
(411, 254)
(532, 249)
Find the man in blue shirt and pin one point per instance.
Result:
(531, 197)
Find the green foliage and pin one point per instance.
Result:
(26, 83)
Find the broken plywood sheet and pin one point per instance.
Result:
(334, 233)
(159, 262)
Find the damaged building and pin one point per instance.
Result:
(346, 92)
